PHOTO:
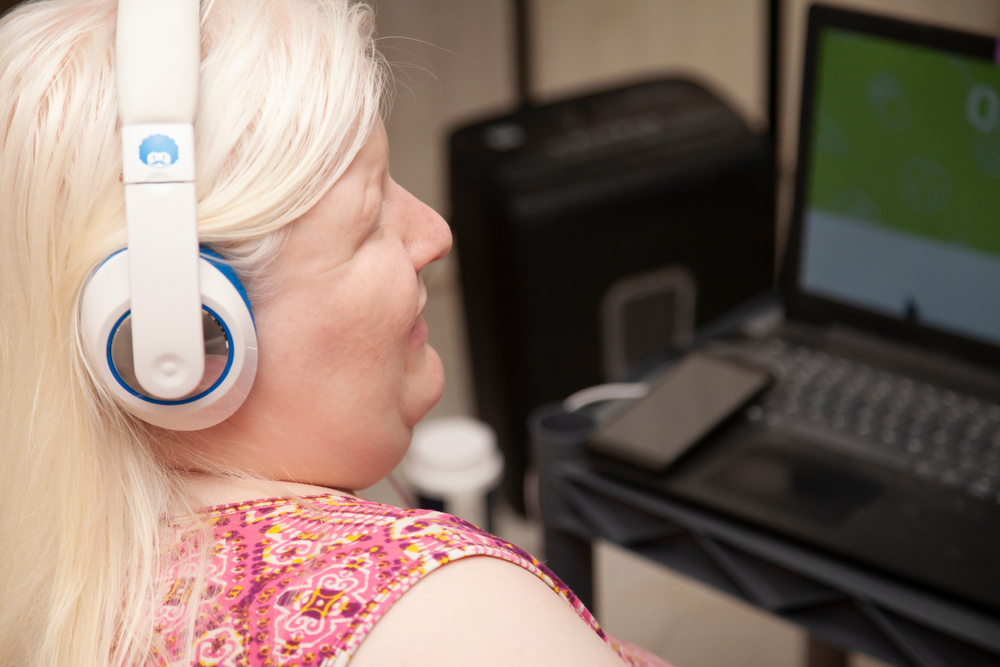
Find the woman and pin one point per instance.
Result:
(238, 544)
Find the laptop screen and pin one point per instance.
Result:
(901, 212)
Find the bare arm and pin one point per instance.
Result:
(486, 612)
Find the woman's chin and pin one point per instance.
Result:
(423, 387)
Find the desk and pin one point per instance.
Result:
(843, 607)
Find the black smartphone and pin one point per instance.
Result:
(694, 396)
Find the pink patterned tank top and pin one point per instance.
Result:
(291, 586)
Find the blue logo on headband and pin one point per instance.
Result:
(158, 150)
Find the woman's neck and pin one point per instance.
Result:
(207, 490)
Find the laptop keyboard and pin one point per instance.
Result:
(882, 417)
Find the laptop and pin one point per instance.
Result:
(880, 440)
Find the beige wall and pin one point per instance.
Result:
(454, 60)
(451, 60)
(580, 44)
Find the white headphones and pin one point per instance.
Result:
(167, 325)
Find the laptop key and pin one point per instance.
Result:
(982, 488)
(957, 477)
(925, 469)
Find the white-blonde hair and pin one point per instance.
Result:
(290, 90)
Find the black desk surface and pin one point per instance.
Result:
(837, 601)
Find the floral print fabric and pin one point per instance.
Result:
(301, 584)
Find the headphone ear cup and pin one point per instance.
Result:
(230, 340)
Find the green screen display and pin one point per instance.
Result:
(907, 138)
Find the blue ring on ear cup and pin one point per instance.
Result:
(157, 401)
(105, 260)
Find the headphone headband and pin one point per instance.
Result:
(157, 93)
(158, 79)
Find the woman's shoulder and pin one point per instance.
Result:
(310, 577)
(486, 612)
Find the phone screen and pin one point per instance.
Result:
(697, 394)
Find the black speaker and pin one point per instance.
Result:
(593, 231)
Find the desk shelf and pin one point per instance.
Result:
(835, 601)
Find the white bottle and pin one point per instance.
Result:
(453, 464)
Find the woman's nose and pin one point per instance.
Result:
(429, 237)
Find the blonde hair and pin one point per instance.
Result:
(290, 91)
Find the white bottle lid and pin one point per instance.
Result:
(453, 455)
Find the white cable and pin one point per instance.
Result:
(605, 392)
